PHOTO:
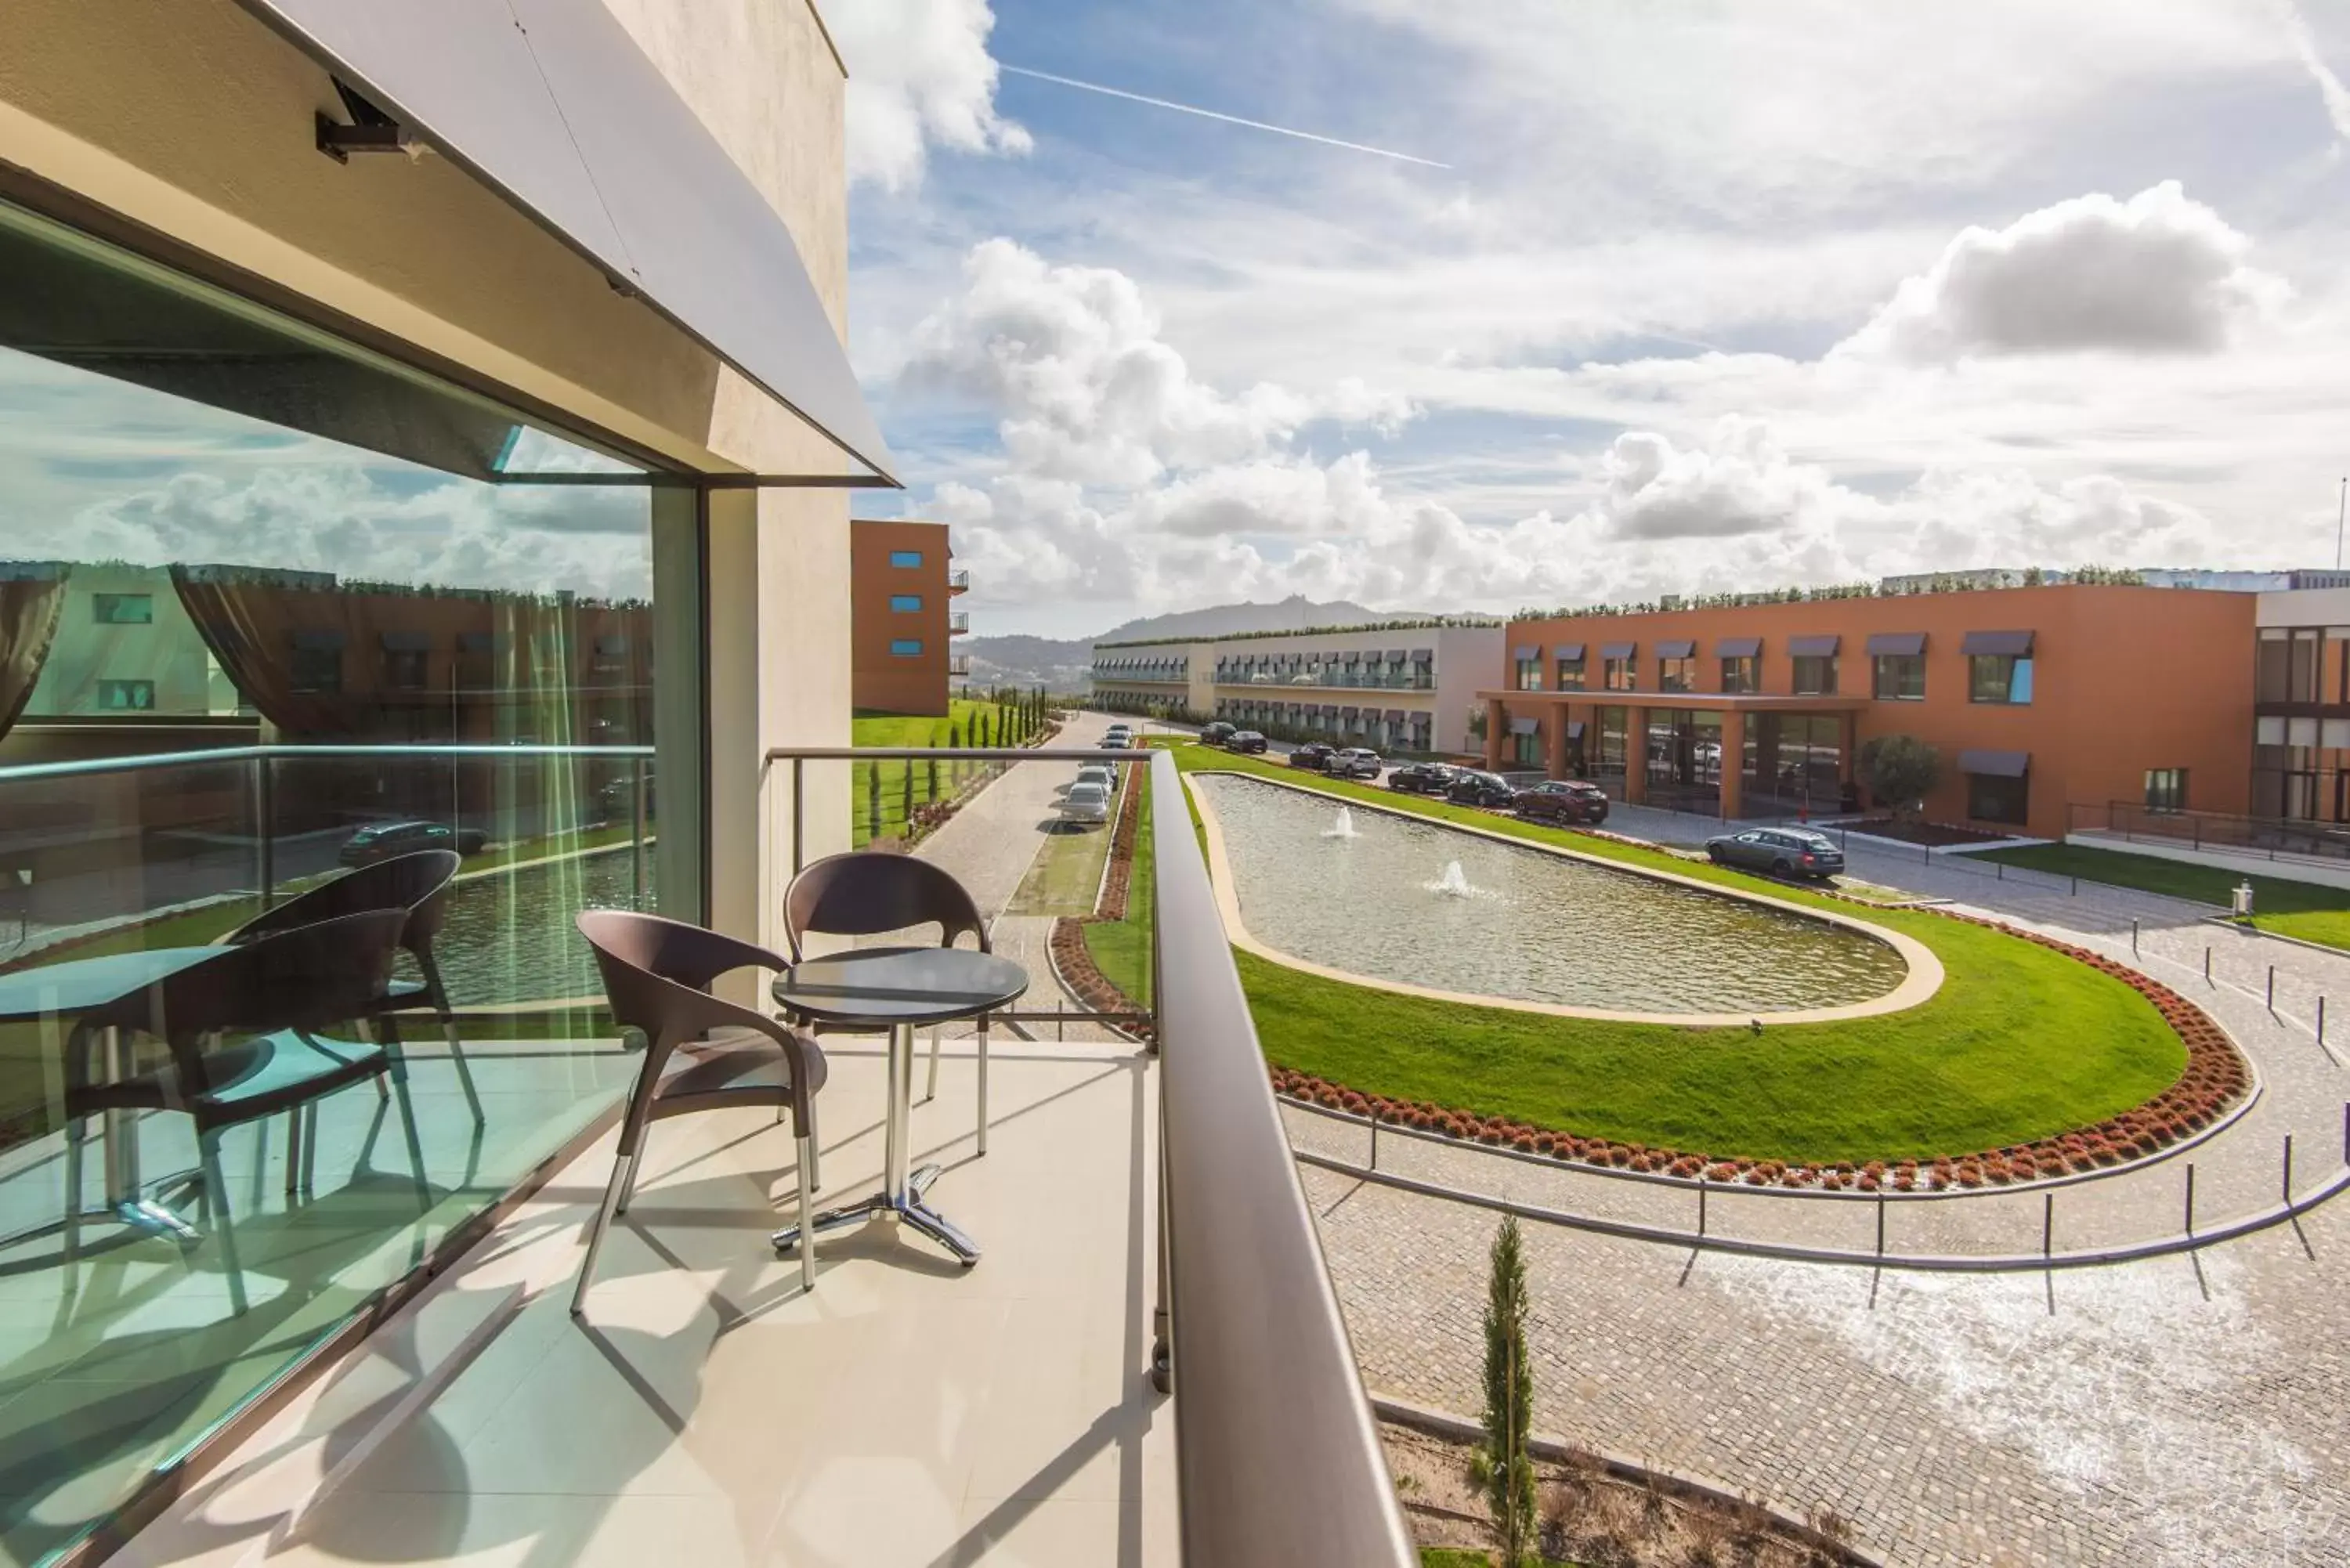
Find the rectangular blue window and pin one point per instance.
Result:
(905, 604)
(905, 557)
(906, 648)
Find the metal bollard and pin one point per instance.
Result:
(2048, 1225)
(2132, 938)
(2190, 1198)
(1701, 1185)
(2271, 987)
(1375, 1137)
(2288, 1173)
(1880, 1224)
(2321, 1020)
(2206, 965)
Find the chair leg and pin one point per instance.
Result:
(439, 994)
(930, 1092)
(627, 1192)
(217, 1215)
(814, 1154)
(621, 1165)
(77, 1131)
(294, 1151)
(983, 1086)
(310, 1150)
(807, 1210)
(415, 1143)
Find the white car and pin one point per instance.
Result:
(1085, 803)
(1100, 774)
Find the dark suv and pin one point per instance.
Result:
(1424, 778)
(1217, 733)
(1313, 757)
(383, 840)
(1564, 800)
(1475, 788)
(1247, 742)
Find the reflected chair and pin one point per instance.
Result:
(865, 893)
(656, 975)
(421, 883)
(246, 1036)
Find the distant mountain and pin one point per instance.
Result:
(1060, 665)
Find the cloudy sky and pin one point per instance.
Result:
(1555, 303)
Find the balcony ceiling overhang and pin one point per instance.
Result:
(1708, 701)
(551, 104)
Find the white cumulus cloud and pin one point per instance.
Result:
(2158, 274)
(920, 77)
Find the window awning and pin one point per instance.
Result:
(1395, 655)
(2012, 644)
(1570, 652)
(551, 104)
(1347, 713)
(406, 641)
(1737, 647)
(1679, 648)
(1423, 656)
(1813, 647)
(1996, 764)
(317, 640)
(1896, 644)
(1525, 651)
(1524, 726)
(1617, 649)
(1574, 729)
(1397, 715)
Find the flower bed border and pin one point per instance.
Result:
(1073, 961)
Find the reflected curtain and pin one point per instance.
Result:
(32, 599)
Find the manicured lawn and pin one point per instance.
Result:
(2019, 1042)
(1121, 949)
(898, 730)
(2310, 910)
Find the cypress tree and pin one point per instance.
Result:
(872, 801)
(1509, 1399)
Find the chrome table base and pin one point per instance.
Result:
(900, 1199)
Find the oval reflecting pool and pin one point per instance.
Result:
(1418, 903)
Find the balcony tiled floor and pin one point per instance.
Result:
(906, 1412)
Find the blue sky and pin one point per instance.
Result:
(1708, 296)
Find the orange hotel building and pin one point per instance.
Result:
(901, 622)
(2036, 697)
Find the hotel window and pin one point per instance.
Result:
(905, 604)
(1815, 674)
(123, 609)
(1615, 674)
(2165, 789)
(905, 557)
(1677, 674)
(905, 648)
(2289, 664)
(315, 667)
(126, 696)
(1740, 673)
(1570, 672)
(1990, 798)
(404, 669)
(1899, 677)
(1529, 670)
(1999, 678)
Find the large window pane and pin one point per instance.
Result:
(370, 617)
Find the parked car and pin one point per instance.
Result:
(1085, 803)
(1246, 743)
(1314, 756)
(1424, 778)
(383, 840)
(1217, 733)
(1354, 763)
(1101, 774)
(1564, 800)
(1117, 741)
(1781, 851)
(1474, 787)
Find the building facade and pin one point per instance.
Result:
(1404, 687)
(903, 622)
(2036, 698)
(2300, 676)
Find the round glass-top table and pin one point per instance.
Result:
(898, 990)
(72, 990)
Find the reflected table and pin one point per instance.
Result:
(70, 991)
(898, 990)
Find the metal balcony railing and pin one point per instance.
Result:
(959, 580)
(1278, 1461)
(958, 623)
(958, 664)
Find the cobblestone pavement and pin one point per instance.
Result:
(2191, 1410)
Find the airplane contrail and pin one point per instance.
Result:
(1212, 114)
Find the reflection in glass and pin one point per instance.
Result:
(272, 609)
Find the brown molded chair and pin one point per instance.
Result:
(279, 994)
(419, 883)
(867, 892)
(656, 975)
